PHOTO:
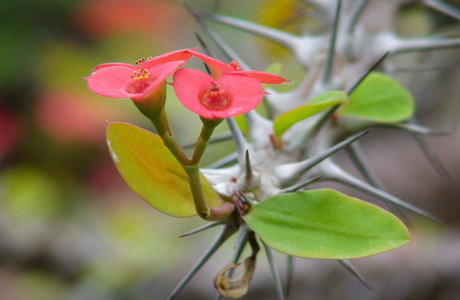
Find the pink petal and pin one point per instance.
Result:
(263, 77)
(184, 55)
(108, 81)
(111, 65)
(159, 73)
(246, 94)
(217, 67)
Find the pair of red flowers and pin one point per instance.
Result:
(230, 92)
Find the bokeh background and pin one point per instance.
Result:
(71, 229)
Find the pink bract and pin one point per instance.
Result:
(219, 68)
(138, 82)
(212, 98)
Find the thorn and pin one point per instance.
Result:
(295, 43)
(359, 159)
(371, 69)
(202, 228)
(240, 142)
(331, 48)
(248, 178)
(435, 162)
(444, 8)
(299, 186)
(206, 50)
(225, 233)
(274, 271)
(350, 268)
(290, 173)
(415, 128)
(333, 172)
(355, 14)
(290, 273)
(228, 52)
(422, 44)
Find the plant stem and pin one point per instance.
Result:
(203, 140)
(191, 165)
(161, 123)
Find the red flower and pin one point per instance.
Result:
(231, 92)
(139, 82)
(227, 96)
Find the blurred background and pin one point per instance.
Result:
(71, 229)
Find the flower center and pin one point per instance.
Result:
(215, 98)
(141, 82)
(236, 66)
(140, 74)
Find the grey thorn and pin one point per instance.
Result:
(229, 53)
(398, 45)
(302, 47)
(350, 268)
(227, 160)
(359, 158)
(356, 14)
(333, 172)
(443, 8)
(248, 174)
(437, 165)
(202, 228)
(216, 139)
(374, 66)
(331, 49)
(299, 186)
(226, 232)
(415, 128)
(274, 271)
(240, 142)
(290, 173)
(279, 36)
(290, 273)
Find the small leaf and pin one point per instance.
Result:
(325, 224)
(379, 98)
(316, 105)
(151, 171)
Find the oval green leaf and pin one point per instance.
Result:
(325, 224)
(381, 99)
(151, 171)
(316, 105)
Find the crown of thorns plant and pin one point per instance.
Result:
(261, 192)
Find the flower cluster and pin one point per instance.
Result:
(230, 91)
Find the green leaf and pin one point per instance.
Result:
(284, 121)
(381, 99)
(151, 171)
(325, 224)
